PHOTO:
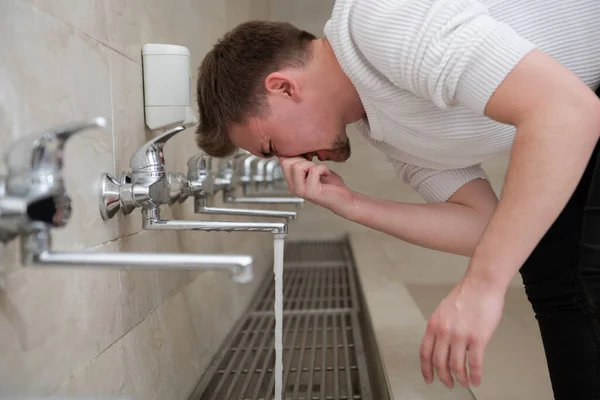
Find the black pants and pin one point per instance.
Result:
(562, 282)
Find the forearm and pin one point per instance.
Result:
(549, 155)
(448, 227)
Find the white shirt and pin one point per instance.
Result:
(425, 70)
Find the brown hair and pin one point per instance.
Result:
(231, 77)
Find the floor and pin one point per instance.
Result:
(514, 364)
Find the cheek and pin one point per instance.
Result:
(287, 147)
(302, 137)
(325, 130)
(288, 144)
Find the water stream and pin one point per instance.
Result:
(278, 272)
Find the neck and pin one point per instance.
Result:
(351, 107)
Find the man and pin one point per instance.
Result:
(438, 86)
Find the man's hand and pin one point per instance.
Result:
(558, 124)
(458, 333)
(317, 184)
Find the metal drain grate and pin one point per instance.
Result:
(318, 251)
(323, 355)
(310, 289)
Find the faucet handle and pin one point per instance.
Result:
(45, 150)
(150, 155)
(178, 187)
(200, 176)
(33, 193)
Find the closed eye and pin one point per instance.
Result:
(269, 153)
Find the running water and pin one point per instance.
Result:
(278, 271)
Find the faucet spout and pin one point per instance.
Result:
(36, 252)
(151, 221)
(201, 207)
(229, 197)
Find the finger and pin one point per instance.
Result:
(314, 177)
(299, 174)
(426, 354)
(288, 165)
(301, 163)
(441, 353)
(283, 160)
(458, 364)
(287, 174)
(286, 168)
(475, 357)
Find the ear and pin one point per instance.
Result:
(279, 83)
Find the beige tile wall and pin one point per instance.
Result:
(139, 334)
(89, 332)
(310, 15)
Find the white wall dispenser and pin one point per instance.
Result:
(167, 86)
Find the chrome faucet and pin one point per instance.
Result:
(178, 189)
(202, 184)
(267, 172)
(33, 200)
(273, 173)
(259, 172)
(149, 189)
(36, 251)
(244, 168)
(246, 161)
(271, 177)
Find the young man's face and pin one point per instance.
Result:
(305, 117)
(292, 132)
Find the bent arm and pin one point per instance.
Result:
(453, 52)
(454, 227)
(558, 124)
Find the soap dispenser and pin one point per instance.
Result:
(167, 86)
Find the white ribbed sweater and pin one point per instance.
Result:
(425, 69)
